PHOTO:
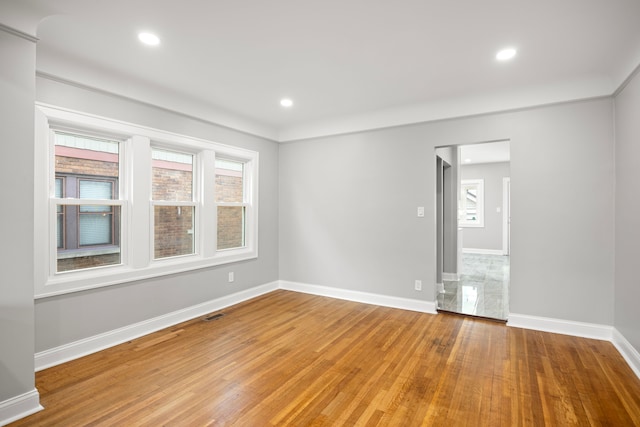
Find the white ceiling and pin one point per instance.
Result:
(347, 64)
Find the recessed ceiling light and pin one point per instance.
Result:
(149, 39)
(506, 54)
(467, 160)
(286, 102)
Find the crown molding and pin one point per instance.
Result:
(195, 111)
(21, 34)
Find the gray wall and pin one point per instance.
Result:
(67, 318)
(17, 91)
(347, 208)
(489, 236)
(627, 287)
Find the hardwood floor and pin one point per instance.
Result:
(294, 359)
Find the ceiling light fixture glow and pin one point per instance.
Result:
(506, 54)
(149, 39)
(286, 102)
(467, 160)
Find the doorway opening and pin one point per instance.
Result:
(473, 229)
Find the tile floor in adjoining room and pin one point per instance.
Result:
(483, 288)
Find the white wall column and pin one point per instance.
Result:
(18, 396)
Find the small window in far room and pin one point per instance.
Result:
(471, 206)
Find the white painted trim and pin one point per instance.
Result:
(482, 251)
(451, 277)
(577, 90)
(52, 68)
(506, 214)
(561, 326)
(83, 347)
(580, 329)
(627, 351)
(19, 407)
(16, 32)
(362, 297)
(99, 82)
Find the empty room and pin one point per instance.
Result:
(319, 213)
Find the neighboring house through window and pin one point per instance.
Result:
(86, 169)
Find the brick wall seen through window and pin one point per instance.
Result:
(87, 235)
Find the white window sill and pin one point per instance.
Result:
(77, 253)
(76, 281)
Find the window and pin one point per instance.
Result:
(173, 205)
(471, 206)
(231, 204)
(87, 170)
(117, 202)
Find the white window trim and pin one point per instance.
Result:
(136, 249)
(479, 223)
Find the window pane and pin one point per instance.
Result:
(86, 156)
(60, 229)
(471, 197)
(59, 215)
(229, 181)
(98, 236)
(172, 176)
(231, 221)
(96, 190)
(173, 231)
(471, 203)
(58, 188)
(95, 229)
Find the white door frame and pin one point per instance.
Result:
(506, 216)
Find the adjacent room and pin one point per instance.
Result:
(319, 213)
(477, 283)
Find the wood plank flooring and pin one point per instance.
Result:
(293, 359)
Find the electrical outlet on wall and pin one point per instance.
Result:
(418, 285)
(231, 278)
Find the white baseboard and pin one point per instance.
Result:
(83, 347)
(19, 407)
(451, 277)
(560, 326)
(580, 329)
(362, 297)
(482, 251)
(627, 351)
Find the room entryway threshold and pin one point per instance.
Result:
(455, 313)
